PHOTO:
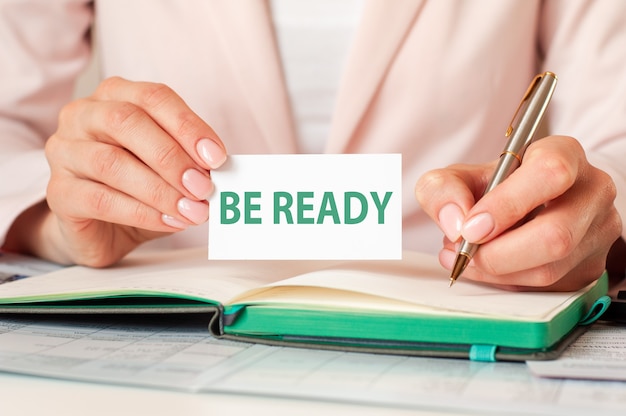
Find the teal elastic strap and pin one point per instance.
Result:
(481, 352)
(597, 309)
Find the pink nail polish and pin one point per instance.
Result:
(478, 227)
(195, 211)
(198, 184)
(451, 221)
(447, 258)
(173, 222)
(211, 153)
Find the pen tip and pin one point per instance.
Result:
(462, 260)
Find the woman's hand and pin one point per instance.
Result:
(128, 164)
(572, 222)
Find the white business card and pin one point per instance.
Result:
(307, 206)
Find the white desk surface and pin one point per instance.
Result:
(26, 395)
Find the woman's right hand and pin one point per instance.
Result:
(128, 164)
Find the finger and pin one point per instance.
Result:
(537, 254)
(446, 195)
(550, 251)
(169, 110)
(128, 126)
(570, 227)
(550, 276)
(564, 275)
(550, 167)
(120, 170)
(97, 201)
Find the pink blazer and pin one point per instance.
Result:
(436, 80)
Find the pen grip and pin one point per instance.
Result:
(520, 134)
(506, 165)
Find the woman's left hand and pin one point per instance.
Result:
(571, 227)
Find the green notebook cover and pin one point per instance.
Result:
(396, 307)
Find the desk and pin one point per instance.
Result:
(192, 373)
(25, 395)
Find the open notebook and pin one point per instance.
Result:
(391, 306)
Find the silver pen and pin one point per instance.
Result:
(520, 135)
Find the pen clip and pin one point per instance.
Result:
(527, 94)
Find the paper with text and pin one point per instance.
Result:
(318, 207)
(599, 354)
(179, 354)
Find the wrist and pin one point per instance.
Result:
(34, 232)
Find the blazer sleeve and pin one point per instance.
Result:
(45, 45)
(584, 43)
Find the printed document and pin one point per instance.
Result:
(177, 353)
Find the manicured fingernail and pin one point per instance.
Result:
(173, 222)
(447, 258)
(478, 227)
(211, 153)
(195, 211)
(451, 221)
(198, 184)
